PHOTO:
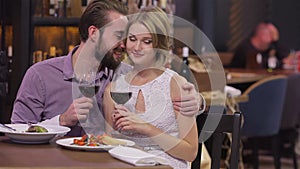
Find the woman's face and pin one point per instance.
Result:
(139, 45)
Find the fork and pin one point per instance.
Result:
(5, 126)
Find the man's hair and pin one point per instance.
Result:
(259, 27)
(97, 14)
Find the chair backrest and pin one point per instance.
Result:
(262, 113)
(291, 108)
(227, 123)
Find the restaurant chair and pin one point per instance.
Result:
(215, 126)
(262, 116)
(288, 132)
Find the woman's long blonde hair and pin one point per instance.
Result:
(157, 23)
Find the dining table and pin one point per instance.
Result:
(51, 155)
(243, 78)
(239, 76)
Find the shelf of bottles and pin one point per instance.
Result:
(54, 23)
(6, 57)
(58, 41)
(55, 27)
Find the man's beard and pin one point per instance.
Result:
(109, 61)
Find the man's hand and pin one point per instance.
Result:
(189, 104)
(78, 110)
(274, 32)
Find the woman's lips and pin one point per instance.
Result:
(137, 54)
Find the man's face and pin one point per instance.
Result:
(265, 38)
(111, 42)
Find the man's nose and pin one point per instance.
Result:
(121, 45)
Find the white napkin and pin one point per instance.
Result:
(232, 92)
(136, 157)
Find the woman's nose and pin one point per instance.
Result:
(137, 45)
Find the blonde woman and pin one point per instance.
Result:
(149, 117)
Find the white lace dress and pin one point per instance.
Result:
(159, 112)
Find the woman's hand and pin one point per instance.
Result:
(125, 120)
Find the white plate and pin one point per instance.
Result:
(68, 143)
(21, 136)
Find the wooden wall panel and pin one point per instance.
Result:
(244, 15)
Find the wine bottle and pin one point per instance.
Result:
(272, 60)
(185, 72)
(52, 11)
(185, 55)
(52, 52)
(10, 57)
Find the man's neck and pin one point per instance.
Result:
(76, 54)
(82, 59)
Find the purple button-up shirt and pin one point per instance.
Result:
(47, 90)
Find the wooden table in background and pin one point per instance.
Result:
(218, 98)
(252, 75)
(239, 77)
(243, 78)
(46, 156)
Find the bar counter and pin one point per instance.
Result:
(46, 156)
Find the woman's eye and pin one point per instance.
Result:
(148, 41)
(131, 38)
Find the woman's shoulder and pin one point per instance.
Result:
(176, 78)
(175, 75)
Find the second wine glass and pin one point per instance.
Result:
(119, 91)
(88, 85)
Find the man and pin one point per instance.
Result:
(254, 53)
(49, 90)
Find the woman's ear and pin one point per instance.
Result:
(94, 33)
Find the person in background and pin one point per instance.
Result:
(149, 117)
(255, 52)
(46, 95)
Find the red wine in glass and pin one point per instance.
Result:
(120, 97)
(89, 90)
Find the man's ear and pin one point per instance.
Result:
(94, 33)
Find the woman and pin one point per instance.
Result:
(148, 117)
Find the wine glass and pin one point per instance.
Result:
(119, 91)
(88, 85)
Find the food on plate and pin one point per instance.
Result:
(112, 141)
(93, 140)
(37, 129)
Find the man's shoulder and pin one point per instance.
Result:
(244, 48)
(245, 43)
(53, 62)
